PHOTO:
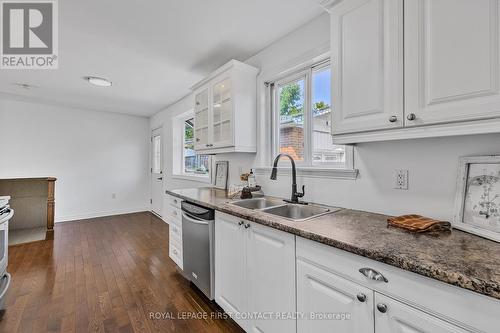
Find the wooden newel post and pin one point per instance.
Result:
(51, 203)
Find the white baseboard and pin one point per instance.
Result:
(90, 215)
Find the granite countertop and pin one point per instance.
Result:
(457, 258)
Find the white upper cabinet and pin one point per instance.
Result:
(225, 110)
(367, 65)
(201, 119)
(428, 68)
(451, 60)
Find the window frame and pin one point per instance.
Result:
(179, 123)
(306, 73)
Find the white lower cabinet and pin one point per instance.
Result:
(330, 303)
(397, 317)
(230, 265)
(271, 279)
(255, 274)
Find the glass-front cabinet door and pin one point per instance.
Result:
(201, 124)
(222, 114)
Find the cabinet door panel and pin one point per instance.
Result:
(230, 264)
(367, 65)
(271, 277)
(201, 120)
(451, 60)
(401, 318)
(222, 120)
(322, 293)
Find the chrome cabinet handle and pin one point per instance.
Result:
(241, 223)
(361, 297)
(175, 200)
(381, 307)
(247, 225)
(393, 119)
(411, 117)
(373, 274)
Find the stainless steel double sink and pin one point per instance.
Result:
(292, 212)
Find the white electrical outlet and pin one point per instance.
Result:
(401, 176)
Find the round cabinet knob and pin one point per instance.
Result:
(361, 297)
(381, 307)
(241, 223)
(247, 225)
(393, 119)
(411, 117)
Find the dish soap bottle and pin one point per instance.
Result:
(252, 182)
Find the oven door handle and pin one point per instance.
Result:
(7, 284)
(192, 219)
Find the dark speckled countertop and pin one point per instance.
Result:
(457, 258)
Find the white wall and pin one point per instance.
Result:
(92, 154)
(432, 162)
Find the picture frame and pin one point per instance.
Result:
(221, 174)
(477, 201)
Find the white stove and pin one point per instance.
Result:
(6, 214)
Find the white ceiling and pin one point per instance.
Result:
(152, 50)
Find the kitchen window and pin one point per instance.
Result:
(302, 117)
(192, 163)
(186, 163)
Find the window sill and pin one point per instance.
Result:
(312, 172)
(194, 178)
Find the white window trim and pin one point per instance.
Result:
(178, 146)
(306, 63)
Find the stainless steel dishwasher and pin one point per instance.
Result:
(198, 227)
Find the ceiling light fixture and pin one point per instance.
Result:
(98, 81)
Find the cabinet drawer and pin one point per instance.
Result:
(174, 213)
(175, 254)
(175, 230)
(459, 306)
(174, 201)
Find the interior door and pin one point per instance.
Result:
(156, 172)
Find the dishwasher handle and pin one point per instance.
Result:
(193, 219)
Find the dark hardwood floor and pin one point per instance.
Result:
(103, 275)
